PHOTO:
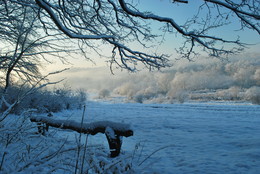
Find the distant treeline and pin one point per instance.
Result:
(203, 79)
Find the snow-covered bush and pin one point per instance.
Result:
(244, 77)
(229, 94)
(163, 82)
(177, 94)
(139, 98)
(253, 94)
(256, 76)
(44, 100)
(104, 93)
(23, 151)
(126, 89)
(147, 94)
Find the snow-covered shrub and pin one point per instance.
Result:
(257, 76)
(99, 163)
(104, 93)
(139, 98)
(23, 151)
(229, 94)
(163, 82)
(253, 94)
(143, 95)
(44, 100)
(127, 89)
(177, 94)
(63, 98)
(244, 77)
(81, 96)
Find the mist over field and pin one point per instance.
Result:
(205, 79)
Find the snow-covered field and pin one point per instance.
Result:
(185, 138)
(189, 138)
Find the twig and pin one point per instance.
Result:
(82, 119)
(154, 153)
(180, 1)
(85, 149)
(84, 154)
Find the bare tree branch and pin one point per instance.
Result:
(235, 8)
(47, 6)
(180, 1)
(119, 22)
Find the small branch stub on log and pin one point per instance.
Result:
(113, 131)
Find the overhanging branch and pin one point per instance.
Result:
(47, 7)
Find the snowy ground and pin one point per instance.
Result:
(191, 137)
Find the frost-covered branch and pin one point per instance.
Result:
(235, 7)
(48, 7)
(199, 37)
(118, 23)
(106, 21)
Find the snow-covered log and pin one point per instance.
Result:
(113, 131)
(93, 128)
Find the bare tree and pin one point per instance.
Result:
(22, 47)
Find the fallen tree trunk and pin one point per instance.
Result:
(113, 131)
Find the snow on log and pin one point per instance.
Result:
(120, 129)
(113, 131)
